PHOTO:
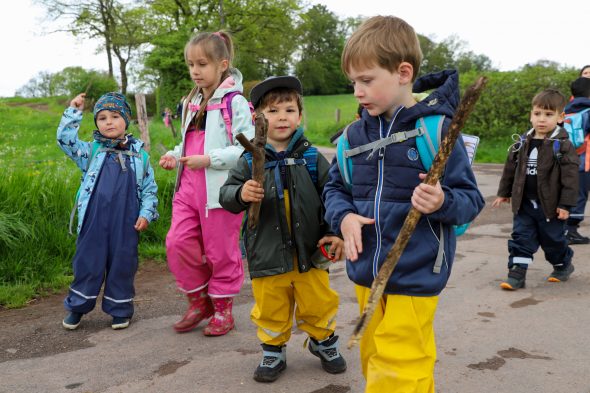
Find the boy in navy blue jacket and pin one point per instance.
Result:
(581, 92)
(382, 59)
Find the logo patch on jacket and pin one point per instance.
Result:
(412, 154)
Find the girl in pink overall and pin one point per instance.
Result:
(202, 244)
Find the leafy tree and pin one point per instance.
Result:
(450, 53)
(263, 33)
(119, 27)
(322, 37)
(38, 86)
(504, 106)
(70, 81)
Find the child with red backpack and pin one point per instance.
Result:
(578, 112)
(202, 243)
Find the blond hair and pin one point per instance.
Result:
(384, 41)
(217, 46)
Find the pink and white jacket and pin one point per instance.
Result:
(223, 152)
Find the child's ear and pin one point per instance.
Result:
(406, 72)
(561, 117)
(224, 65)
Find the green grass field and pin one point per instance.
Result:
(38, 184)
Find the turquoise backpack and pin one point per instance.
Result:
(573, 124)
(428, 134)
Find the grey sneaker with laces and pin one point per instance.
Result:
(274, 362)
(327, 351)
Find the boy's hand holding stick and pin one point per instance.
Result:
(258, 154)
(465, 107)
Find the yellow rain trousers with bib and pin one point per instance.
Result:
(307, 294)
(398, 350)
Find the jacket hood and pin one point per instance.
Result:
(443, 100)
(577, 104)
(232, 83)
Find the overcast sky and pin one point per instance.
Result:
(510, 32)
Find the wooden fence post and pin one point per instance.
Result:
(337, 115)
(142, 121)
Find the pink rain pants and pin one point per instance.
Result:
(202, 246)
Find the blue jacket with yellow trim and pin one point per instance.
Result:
(382, 189)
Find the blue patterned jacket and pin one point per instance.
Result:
(80, 151)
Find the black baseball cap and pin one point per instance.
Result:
(274, 82)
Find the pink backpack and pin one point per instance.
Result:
(226, 111)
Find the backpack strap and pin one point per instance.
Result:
(428, 146)
(225, 107)
(383, 142)
(309, 160)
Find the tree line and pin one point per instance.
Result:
(272, 37)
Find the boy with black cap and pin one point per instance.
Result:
(581, 103)
(282, 249)
(116, 200)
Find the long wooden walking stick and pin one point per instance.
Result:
(466, 106)
(258, 154)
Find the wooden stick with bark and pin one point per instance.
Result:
(446, 147)
(258, 153)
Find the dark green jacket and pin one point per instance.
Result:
(270, 248)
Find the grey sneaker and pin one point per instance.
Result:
(327, 351)
(516, 278)
(274, 362)
(560, 274)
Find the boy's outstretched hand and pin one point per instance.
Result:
(499, 201)
(336, 246)
(351, 232)
(196, 162)
(427, 199)
(78, 101)
(167, 162)
(141, 224)
(252, 192)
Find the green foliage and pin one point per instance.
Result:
(504, 106)
(450, 54)
(263, 32)
(322, 38)
(37, 189)
(319, 114)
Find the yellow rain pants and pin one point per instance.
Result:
(276, 297)
(398, 349)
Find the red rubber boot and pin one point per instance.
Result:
(200, 307)
(222, 321)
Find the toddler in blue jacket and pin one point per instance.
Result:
(116, 200)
